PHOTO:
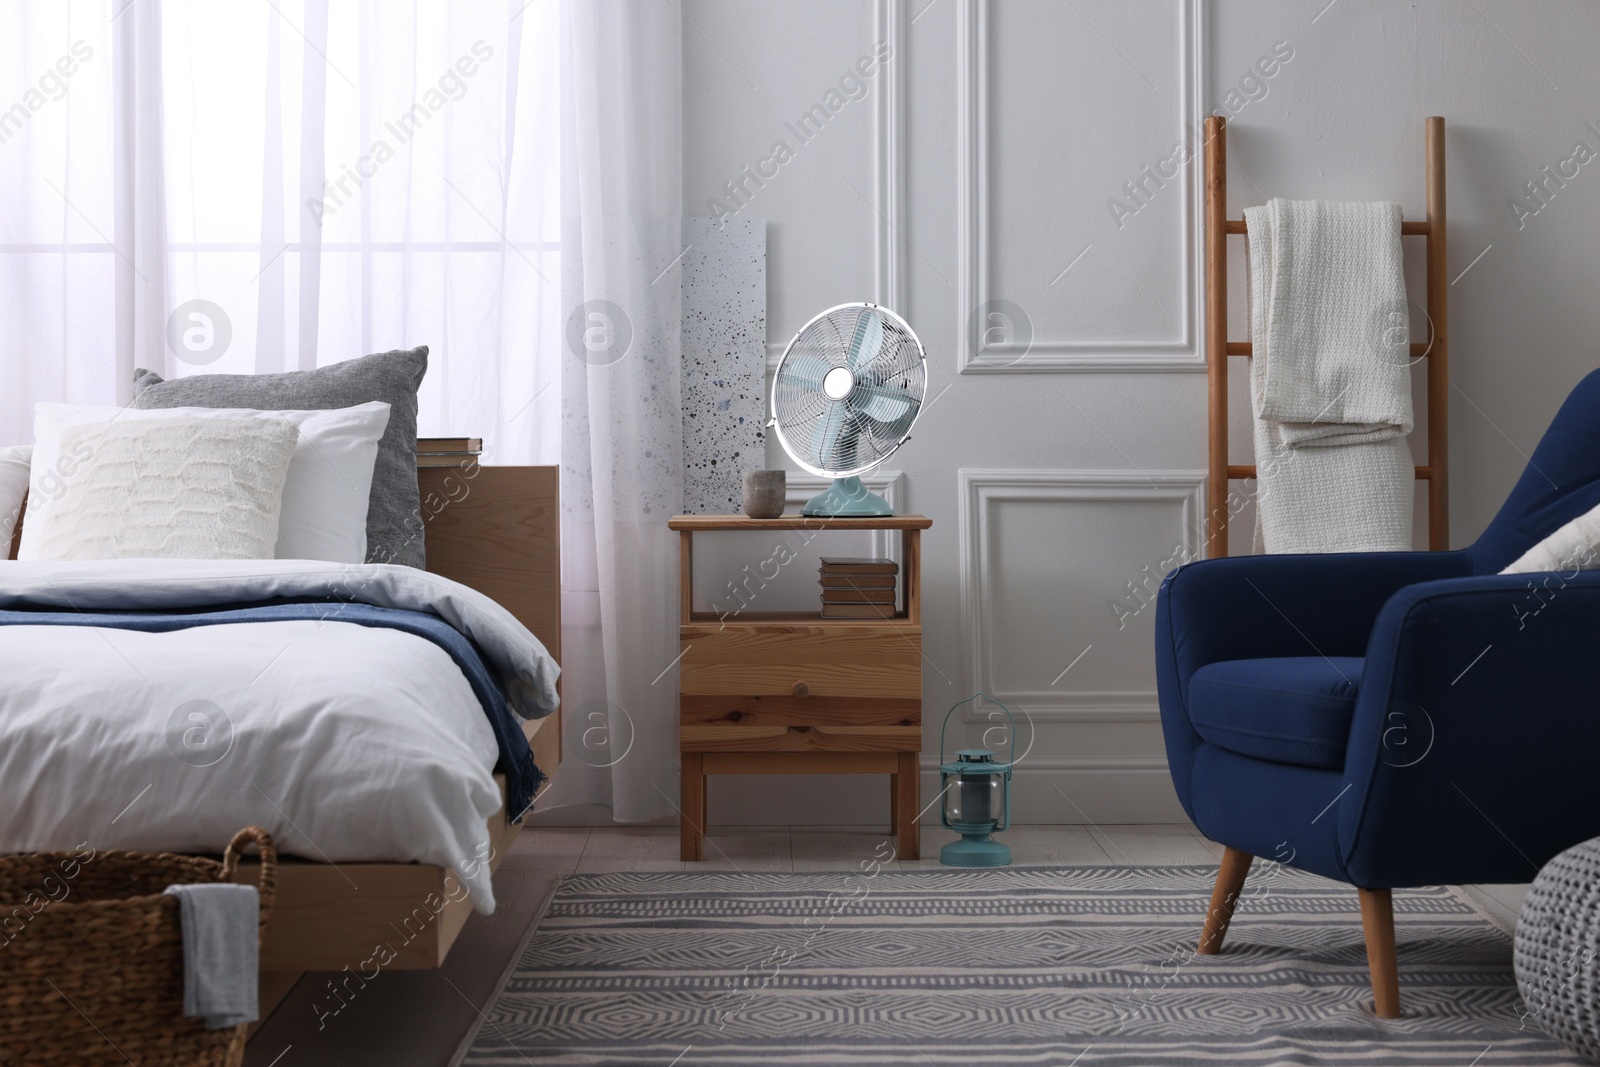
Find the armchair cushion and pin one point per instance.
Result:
(1287, 709)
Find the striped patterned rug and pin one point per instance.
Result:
(1070, 965)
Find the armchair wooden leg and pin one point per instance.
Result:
(1377, 922)
(1224, 897)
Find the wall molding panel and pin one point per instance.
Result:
(979, 492)
(888, 171)
(976, 237)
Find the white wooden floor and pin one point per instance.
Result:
(579, 850)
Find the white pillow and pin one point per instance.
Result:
(185, 488)
(324, 501)
(13, 487)
(1574, 547)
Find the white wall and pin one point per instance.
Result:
(979, 165)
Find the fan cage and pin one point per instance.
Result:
(850, 436)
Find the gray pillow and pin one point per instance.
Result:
(394, 511)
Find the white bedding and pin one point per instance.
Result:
(348, 743)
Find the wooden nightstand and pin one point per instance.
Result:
(789, 692)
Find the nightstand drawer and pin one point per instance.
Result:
(790, 710)
(802, 738)
(803, 662)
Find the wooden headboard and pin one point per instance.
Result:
(498, 530)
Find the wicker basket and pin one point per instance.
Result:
(91, 958)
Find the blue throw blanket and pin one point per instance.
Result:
(523, 778)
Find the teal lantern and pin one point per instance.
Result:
(976, 788)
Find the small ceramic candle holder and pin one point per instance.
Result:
(764, 494)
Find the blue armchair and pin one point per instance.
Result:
(1393, 719)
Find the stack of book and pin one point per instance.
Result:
(448, 451)
(855, 588)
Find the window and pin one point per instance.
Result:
(269, 185)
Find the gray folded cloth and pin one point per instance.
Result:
(219, 952)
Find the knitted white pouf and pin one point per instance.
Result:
(1558, 949)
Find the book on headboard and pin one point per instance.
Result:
(459, 446)
(448, 451)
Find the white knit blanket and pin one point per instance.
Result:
(1330, 379)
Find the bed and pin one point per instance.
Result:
(493, 530)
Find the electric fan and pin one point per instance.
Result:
(847, 390)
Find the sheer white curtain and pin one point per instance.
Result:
(268, 185)
(58, 265)
(622, 463)
(327, 177)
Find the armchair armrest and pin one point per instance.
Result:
(1476, 731)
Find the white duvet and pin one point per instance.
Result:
(348, 743)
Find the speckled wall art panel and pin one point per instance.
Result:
(724, 360)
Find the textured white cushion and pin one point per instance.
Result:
(184, 488)
(1574, 547)
(324, 501)
(13, 487)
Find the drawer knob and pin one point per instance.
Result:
(801, 689)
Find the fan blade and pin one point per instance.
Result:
(868, 340)
(804, 369)
(881, 404)
(825, 439)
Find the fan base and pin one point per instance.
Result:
(847, 497)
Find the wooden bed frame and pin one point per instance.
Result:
(497, 530)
